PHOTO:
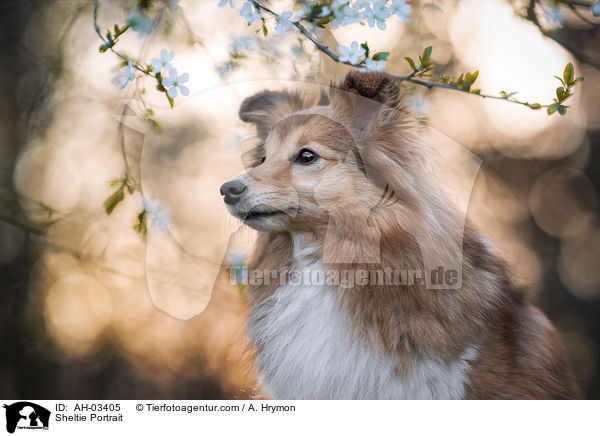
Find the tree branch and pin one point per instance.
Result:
(577, 3)
(27, 228)
(579, 54)
(404, 78)
(111, 48)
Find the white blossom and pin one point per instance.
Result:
(249, 12)
(372, 65)
(418, 105)
(400, 9)
(336, 4)
(237, 264)
(241, 43)
(123, 75)
(325, 12)
(175, 83)
(283, 22)
(352, 53)
(378, 14)
(337, 7)
(140, 23)
(225, 68)
(162, 63)
(351, 15)
(374, 11)
(551, 16)
(596, 9)
(158, 216)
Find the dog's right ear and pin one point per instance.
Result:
(266, 108)
(370, 101)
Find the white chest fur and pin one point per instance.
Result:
(307, 349)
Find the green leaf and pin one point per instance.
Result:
(111, 202)
(140, 225)
(381, 55)
(507, 95)
(552, 108)
(561, 94)
(411, 63)
(171, 101)
(264, 29)
(365, 46)
(534, 106)
(120, 30)
(154, 124)
(568, 74)
(321, 21)
(159, 85)
(427, 53)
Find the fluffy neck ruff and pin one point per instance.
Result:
(308, 347)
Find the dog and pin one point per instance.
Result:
(341, 190)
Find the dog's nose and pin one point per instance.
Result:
(233, 191)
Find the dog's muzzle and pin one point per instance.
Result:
(233, 191)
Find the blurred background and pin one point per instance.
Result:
(92, 309)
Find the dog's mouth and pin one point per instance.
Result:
(255, 214)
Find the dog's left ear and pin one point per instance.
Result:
(370, 101)
(266, 108)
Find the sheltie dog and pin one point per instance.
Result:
(351, 223)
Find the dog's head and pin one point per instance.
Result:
(315, 162)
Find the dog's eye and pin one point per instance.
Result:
(261, 160)
(306, 157)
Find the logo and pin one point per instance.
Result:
(26, 415)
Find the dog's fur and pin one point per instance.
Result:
(482, 340)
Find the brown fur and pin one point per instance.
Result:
(367, 129)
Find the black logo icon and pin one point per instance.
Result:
(24, 414)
